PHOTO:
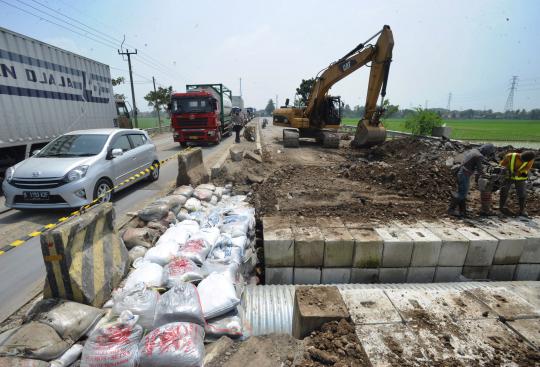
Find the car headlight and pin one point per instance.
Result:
(76, 173)
(9, 174)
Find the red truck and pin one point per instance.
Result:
(201, 114)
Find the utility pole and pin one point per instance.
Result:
(510, 100)
(131, 82)
(157, 105)
(277, 105)
(449, 101)
(240, 87)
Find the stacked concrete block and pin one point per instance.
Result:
(482, 247)
(397, 247)
(425, 255)
(454, 247)
(307, 275)
(528, 267)
(278, 251)
(367, 258)
(308, 247)
(279, 275)
(338, 247)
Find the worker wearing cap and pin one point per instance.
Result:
(237, 125)
(518, 166)
(473, 161)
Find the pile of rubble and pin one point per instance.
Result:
(191, 254)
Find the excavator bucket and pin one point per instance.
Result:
(368, 135)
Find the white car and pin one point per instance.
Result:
(75, 168)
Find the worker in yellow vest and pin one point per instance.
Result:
(518, 166)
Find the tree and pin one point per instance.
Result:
(422, 121)
(389, 109)
(270, 107)
(119, 96)
(118, 81)
(159, 98)
(304, 89)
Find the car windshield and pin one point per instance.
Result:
(83, 145)
(190, 105)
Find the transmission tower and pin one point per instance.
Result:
(449, 101)
(510, 100)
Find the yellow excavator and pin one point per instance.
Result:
(321, 117)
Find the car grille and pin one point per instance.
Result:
(41, 183)
(203, 121)
(53, 199)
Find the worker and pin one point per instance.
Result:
(237, 125)
(473, 160)
(518, 166)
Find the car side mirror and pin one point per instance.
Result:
(117, 152)
(36, 152)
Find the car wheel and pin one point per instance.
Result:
(154, 174)
(103, 189)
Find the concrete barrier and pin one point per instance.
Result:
(191, 169)
(85, 258)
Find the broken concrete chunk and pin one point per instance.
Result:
(253, 178)
(236, 154)
(250, 133)
(253, 156)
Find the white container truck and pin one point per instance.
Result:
(45, 92)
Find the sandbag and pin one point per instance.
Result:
(176, 234)
(181, 270)
(174, 202)
(240, 241)
(157, 226)
(203, 194)
(210, 235)
(33, 340)
(214, 200)
(148, 273)
(189, 226)
(169, 219)
(162, 253)
(145, 237)
(71, 320)
(217, 295)
(193, 205)
(235, 225)
(186, 191)
(225, 251)
(182, 215)
(140, 301)
(135, 253)
(153, 212)
(227, 268)
(199, 217)
(178, 344)
(180, 303)
(114, 345)
(70, 356)
(22, 362)
(229, 324)
(218, 192)
(196, 250)
(206, 186)
(214, 218)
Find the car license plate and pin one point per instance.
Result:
(194, 137)
(36, 195)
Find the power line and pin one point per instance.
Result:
(510, 100)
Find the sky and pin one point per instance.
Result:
(470, 49)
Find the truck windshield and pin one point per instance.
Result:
(191, 105)
(74, 146)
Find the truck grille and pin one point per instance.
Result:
(190, 123)
(33, 183)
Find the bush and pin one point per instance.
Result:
(422, 121)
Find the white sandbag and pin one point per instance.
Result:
(69, 357)
(192, 204)
(163, 253)
(153, 212)
(199, 217)
(235, 225)
(180, 303)
(203, 194)
(240, 241)
(217, 295)
(189, 226)
(149, 273)
(181, 270)
(71, 320)
(218, 192)
(178, 344)
(33, 340)
(214, 218)
(140, 301)
(225, 197)
(225, 251)
(214, 200)
(177, 234)
(174, 202)
(135, 253)
(210, 235)
(187, 191)
(206, 186)
(182, 215)
(229, 324)
(115, 344)
(196, 250)
(227, 268)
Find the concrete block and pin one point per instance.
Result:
(454, 246)
(421, 274)
(368, 248)
(330, 222)
(364, 275)
(527, 329)
(502, 272)
(505, 303)
(338, 247)
(531, 251)
(237, 154)
(527, 272)
(308, 247)
(393, 275)
(278, 275)
(275, 223)
(314, 306)
(447, 273)
(191, 169)
(370, 306)
(510, 245)
(278, 247)
(336, 275)
(482, 246)
(307, 276)
(476, 272)
(426, 247)
(397, 247)
(357, 224)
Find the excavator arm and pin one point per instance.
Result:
(369, 130)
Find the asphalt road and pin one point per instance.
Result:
(22, 271)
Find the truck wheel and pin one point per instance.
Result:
(154, 174)
(102, 188)
(183, 144)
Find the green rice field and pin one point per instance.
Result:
(147, 122)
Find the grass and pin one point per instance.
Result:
(147, 122)
(485, 130)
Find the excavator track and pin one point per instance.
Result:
(291, 138)
(330, 139)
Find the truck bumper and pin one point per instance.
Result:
(195, 135)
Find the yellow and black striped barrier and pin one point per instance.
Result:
(47, 227)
